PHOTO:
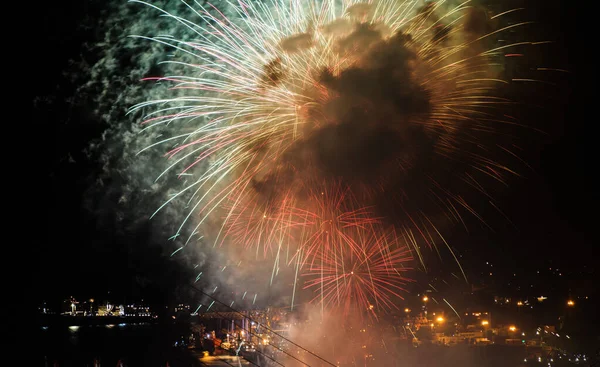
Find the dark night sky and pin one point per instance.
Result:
(553, 207)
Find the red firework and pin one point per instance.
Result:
(368, 277)
(331, 213)
(259, 224)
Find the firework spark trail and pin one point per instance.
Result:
(257, 224)
(322, 134)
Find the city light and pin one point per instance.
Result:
(425, 298)
(519, 303)
(485, 323)
(512, 328)
(407, 310)
(440, 319)
(570, 303)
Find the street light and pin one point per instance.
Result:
(424, 307)
(407, 310)
(570, 303)
(512, 328)
(440, 319)
(485, 323)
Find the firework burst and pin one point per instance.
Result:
(370, 276)
(332, 131)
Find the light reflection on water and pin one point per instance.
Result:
(139, 344)
(76, 328)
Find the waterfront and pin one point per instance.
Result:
(147, 344)
(185, 338)
(135, 344)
